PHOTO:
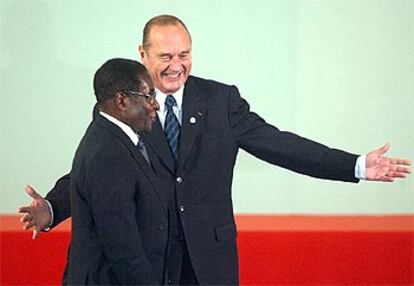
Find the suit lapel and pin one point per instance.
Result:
(139, 159)
(194, 109)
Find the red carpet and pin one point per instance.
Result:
(274, 250)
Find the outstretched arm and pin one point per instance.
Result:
(385, 169)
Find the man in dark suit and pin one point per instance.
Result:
(117, 207)
(196, 164)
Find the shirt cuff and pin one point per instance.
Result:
(360, 168)
(51, 216)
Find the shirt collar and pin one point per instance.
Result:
(178, 95)
(126, 128)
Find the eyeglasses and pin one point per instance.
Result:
(149, 97)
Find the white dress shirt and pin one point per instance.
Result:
(162, 112)
(124, 127)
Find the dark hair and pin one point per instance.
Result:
(161, 20)
(118, 75)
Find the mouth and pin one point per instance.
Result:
(173, 75)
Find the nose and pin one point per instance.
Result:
(175, 63)
(155, 105)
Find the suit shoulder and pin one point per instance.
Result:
(98, 143)
(208, 83)
(211, 89)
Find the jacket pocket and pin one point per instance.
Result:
(226, 232)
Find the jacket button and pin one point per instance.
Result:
(160, 227)
(179, 180)
(182, 208)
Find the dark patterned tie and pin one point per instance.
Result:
(172, 127)
(143, 150)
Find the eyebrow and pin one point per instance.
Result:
(169, 54)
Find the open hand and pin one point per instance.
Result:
(385, 169)
(37, 214)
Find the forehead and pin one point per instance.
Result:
(170, 36)
(145, 83)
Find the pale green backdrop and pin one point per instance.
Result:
(337, 71)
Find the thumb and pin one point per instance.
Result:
(382, 150)
(32, 193)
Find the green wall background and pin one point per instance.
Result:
(337, 71)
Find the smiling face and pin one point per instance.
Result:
(167, 57)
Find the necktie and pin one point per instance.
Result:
(172, 127)
(143, 149)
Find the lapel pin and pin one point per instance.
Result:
(192, 120)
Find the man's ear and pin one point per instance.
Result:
(120, 100)
(141, 52)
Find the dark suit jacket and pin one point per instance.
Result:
(216, 122)
(119, 215)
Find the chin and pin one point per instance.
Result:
(173, 86)
(147, 129)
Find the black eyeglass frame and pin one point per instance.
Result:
(149, 97)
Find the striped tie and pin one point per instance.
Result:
(172, 127)
(143, 150)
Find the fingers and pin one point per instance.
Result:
(24, 209)
(387, 179)
(27, 221)
(28, 225)
(403, 170)
(36, 233)
(397, 161)
(397, 169)
(33, 215)
(25, 218)
(32, 193)
(395, 172)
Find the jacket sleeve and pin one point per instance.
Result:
(286, 149)
(59, 198)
